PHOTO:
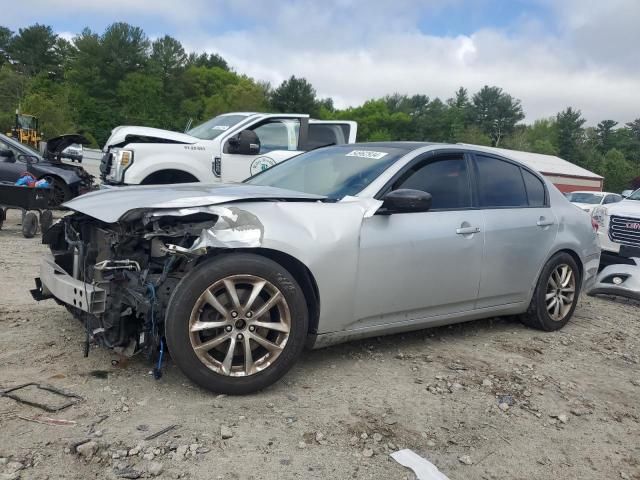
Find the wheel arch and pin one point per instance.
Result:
(164, 175)
(300, 272)
(575, 257)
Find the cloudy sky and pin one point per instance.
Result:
(549, 53)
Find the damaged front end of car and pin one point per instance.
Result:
(117, 278)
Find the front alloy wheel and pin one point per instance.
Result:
(240, 325)
(236, 323)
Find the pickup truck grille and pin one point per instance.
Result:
(625, 230)
(105, 165)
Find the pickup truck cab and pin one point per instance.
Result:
(226, 148)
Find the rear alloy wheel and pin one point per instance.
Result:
(236, 323)
(556, 294)
(60, 192)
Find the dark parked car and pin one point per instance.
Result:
(68, 181)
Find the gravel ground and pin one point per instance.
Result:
(483, 400)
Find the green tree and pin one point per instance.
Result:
(605, 134)
(496, 112)
(570, 133)
(208, 60)
(617, 171)
(33, 49)
(168, 57)
(5, 40)
(124, 49)
(295, 95)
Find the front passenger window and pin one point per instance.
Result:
(278, 134)
(446, 179)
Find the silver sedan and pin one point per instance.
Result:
(339, 243)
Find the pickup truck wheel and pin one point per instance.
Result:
(556, 295)
(236, 323)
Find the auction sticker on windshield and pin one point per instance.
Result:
(366, 154)
(220, 127)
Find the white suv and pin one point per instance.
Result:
(619, 229)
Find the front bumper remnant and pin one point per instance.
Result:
(619, 279)
(55, 282)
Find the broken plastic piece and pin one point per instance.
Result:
(72, 397)
(424, 469)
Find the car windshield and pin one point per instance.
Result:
(214, 127)
(634, 196)
(583, 197)
(333, 172)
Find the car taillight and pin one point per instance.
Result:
(594, 224)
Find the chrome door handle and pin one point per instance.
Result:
(543, 222)
(467, 230)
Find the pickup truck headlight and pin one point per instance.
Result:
(122, 159)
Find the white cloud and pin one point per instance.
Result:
(582, 54)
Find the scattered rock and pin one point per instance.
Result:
(503, 406)
(367, 453)
(181, 450)
(580, 411)
(155, 468)
(562, 418)
(292, 397)
(319, 437)
(134, 451)
(377, 437)
(87, 449)
(127, 472)
(431, 444)
(455, 387)
(302, 445)
(225, 432)
(487, 383)
(466, 460)
(148, 456)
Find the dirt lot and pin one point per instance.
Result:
(569, 401)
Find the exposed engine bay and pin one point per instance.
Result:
(123, 273)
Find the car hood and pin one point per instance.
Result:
(56, 145)
(119, 136)
(628, 208)
(585, 206)
(110, 204)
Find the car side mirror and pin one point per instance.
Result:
(244, 143)
(406, 200)
(8, 155)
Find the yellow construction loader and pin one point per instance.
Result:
(26, 130)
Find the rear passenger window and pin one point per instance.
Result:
(500, 183)
(446, 179)
(535, 189)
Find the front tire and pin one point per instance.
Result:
(236, 323)
(556, 295)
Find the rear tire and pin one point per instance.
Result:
(209, 329)
(556, 295)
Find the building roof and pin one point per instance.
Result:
(546, 164)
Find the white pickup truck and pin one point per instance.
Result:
(226, 148)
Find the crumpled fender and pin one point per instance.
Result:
(629, 286)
